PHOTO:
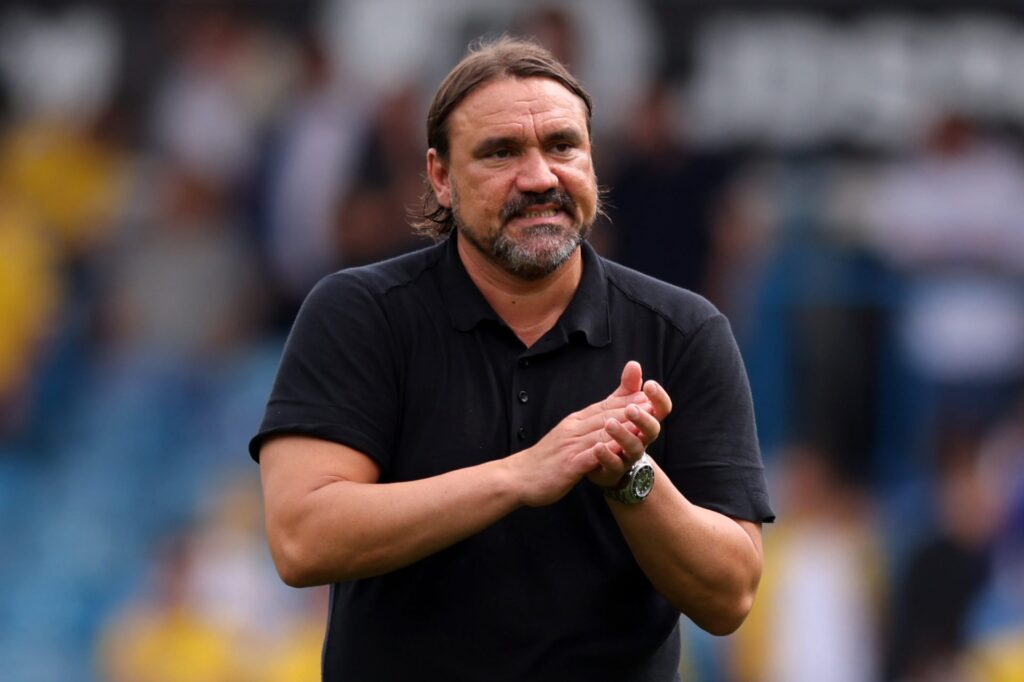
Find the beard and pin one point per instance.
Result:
(536, 251)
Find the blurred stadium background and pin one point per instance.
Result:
(844, 179)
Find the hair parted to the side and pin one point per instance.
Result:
(485, 62)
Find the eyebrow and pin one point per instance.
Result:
(567, 135)
(489, 144)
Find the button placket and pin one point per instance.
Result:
(521, 398)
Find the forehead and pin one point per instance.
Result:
(518, 106)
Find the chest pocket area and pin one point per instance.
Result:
(464, 422)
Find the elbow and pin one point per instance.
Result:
(295, 566)
(727, 617)
(732, 600)
(724, 607)
(304, 560)
(297, 575)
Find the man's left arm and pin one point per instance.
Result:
(704, 563)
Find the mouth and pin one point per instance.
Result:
(546, 213)
(531, 208)
(531, 219)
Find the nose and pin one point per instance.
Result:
(534, 173)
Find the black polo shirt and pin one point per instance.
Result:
(406, 362)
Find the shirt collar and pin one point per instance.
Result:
(587, 314)
(466, 305)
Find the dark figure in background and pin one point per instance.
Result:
(946, 573)
(462, 439)
(373, 219)
(663, 196)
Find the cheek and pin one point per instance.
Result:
(478, 198)
(582, 185)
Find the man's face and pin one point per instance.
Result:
(519, 177)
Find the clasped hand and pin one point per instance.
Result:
(601, 441)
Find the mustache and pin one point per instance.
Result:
(517, 206)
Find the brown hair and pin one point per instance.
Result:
(485, 62)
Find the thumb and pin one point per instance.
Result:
(632, 379)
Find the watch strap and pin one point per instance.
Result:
(625, 491)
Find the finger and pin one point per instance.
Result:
(593, 425)
(631, 380)
(645, 425)
(613, 403)
(585, 463)
(659, 398)
(587, 442)
(611, 461)
(613, 467)
(631, 444)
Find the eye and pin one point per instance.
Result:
(501, 154)
(563, 148)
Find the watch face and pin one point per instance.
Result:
(643, 482)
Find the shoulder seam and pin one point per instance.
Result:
(661, 313)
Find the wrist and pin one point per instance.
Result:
(511, 480)
(635, 485)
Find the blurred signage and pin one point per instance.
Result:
(798, 80)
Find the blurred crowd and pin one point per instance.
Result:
(174, 177)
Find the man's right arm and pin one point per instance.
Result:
(329, 520)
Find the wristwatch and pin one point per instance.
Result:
(635, 485)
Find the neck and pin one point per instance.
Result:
(529, 307)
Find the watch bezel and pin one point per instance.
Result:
(626, 491)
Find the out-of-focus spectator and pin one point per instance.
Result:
(823, 584)
(554, 28)
(62, 184)
(163, 637)
(663, 196)
(373, 219)
(312, 165)
(70, 178)
(744, 235)
(30, 293)
(60, 60)
(945, 573)
(996, 626)
(233, 580)
(212, 611)
(996, 649)
(182, 282)
(222, 85)
(951, 220)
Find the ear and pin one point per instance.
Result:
(440, 180)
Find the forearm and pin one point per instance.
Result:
(704, 563)
(342, 529)
(328, 519)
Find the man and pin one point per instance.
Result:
(456, 437)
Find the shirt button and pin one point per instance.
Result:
(523, 396)
(525, 362)
(521, 433)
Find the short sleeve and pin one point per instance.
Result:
(337, 377)
(712, 454)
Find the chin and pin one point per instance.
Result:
(535, 263)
